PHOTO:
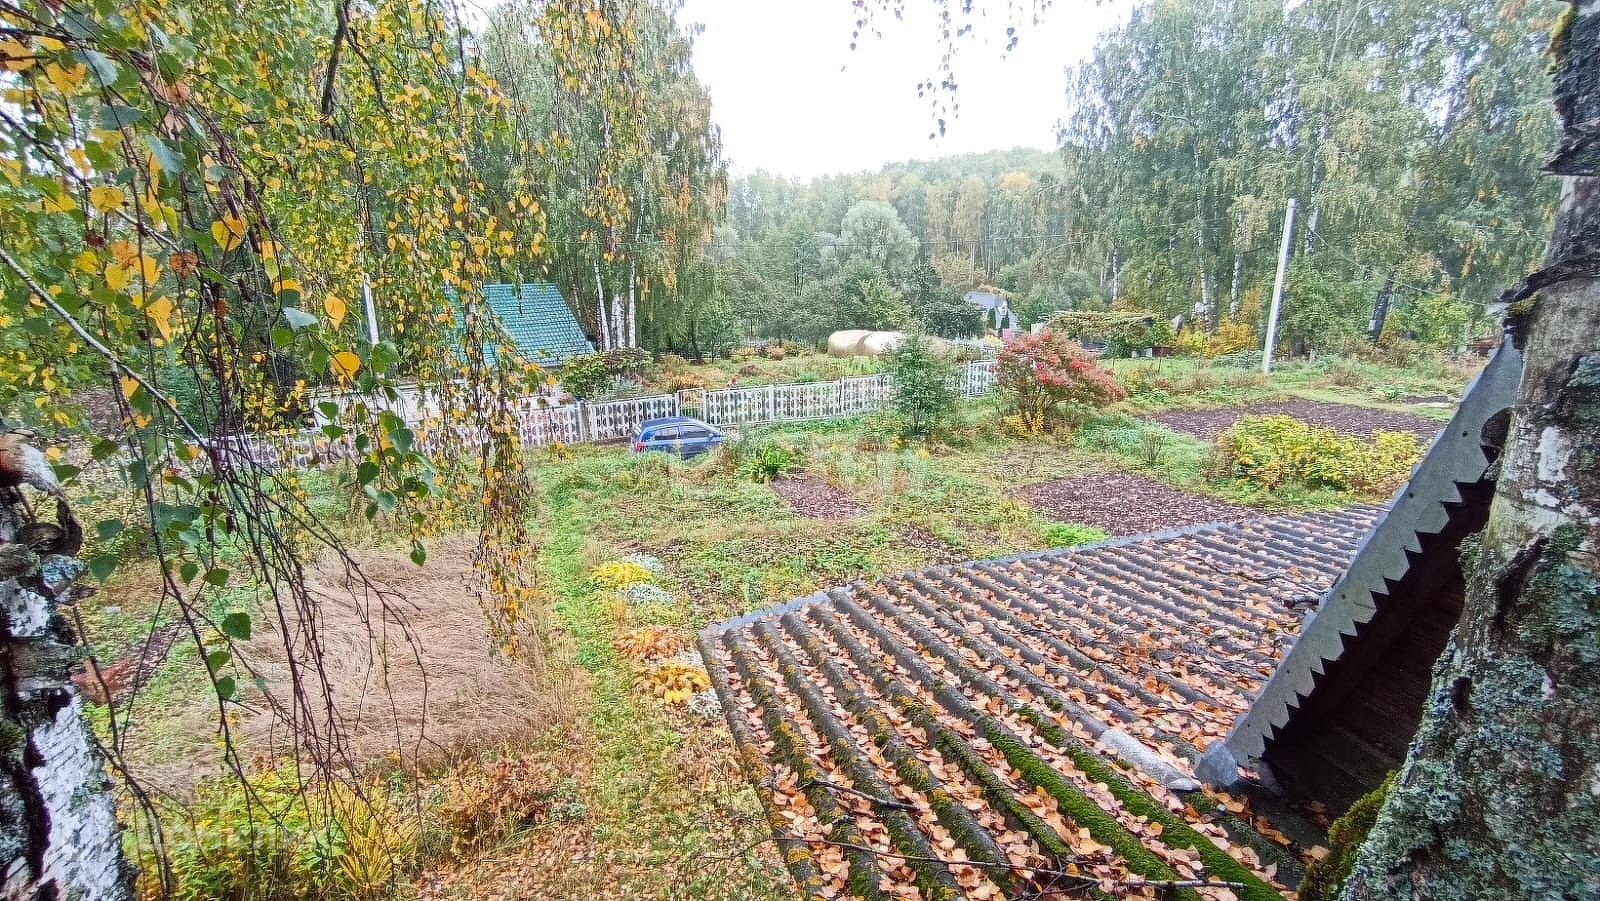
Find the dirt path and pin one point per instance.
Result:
(1125, 504)
(1345, 419)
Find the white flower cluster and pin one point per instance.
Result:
(647, 561)
(706, 705)
(644, 593)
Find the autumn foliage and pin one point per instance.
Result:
(1049, 376)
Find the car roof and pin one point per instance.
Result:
(672, 420)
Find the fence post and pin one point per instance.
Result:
(772, 403)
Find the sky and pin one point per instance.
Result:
(792, 98)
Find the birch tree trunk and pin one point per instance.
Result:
(633, 307)
(1116, 275)
(1500, 796)
(601, 325)
(1233, 294)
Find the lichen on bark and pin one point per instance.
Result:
(1500, 794)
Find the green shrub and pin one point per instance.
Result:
(1070, 534)
(768, 460)
(584, 376)
(1269, 452)
(924, 388)
(608, 371)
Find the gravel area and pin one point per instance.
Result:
(1342, 418)
(817, 499)
(1125, 504)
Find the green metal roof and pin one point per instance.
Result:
(536, 318)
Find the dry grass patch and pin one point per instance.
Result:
(412, 667)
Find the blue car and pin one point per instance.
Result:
(681, 435)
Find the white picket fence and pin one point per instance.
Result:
(540, 424)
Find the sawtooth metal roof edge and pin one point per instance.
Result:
(1418, 508)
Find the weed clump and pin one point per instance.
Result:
(649, 643)
(1071, 534)
(272, 837)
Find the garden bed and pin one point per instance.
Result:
(817, 499)
(1342, 418)
(1128, 505)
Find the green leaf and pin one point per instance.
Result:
(104, 68)
(217, 576)
(103, 566)
(384, 354)
(114, 116)
(237, 625)
(298, 319)
(228, 688)
(188, 571)
(366, 472)
(282, 337)
(216, 660)
(419, 554)
(171, 162)
(108, 529)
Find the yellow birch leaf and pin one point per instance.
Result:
(117, 277)
(148, 269)
(129, 386)
(62, 204)
(18, 56)
(86, 262)
(80, 160)
(285, 284)
(65, 80)
(334, 306)
(225, 237)
(105, 199)
(345, 364)
(160, 310)
(51, 44)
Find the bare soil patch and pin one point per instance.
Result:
(1345, 419)
(1125, 504)
(915, 536)
(817, 499)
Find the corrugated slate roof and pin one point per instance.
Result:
(538, 321)
(1010, 728)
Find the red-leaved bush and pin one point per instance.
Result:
(1051, 374)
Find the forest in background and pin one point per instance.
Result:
(1409, 133)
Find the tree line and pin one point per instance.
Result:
(1408, 132)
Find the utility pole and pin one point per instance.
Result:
(1277, 289)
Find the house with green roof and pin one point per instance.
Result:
(538, 321)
